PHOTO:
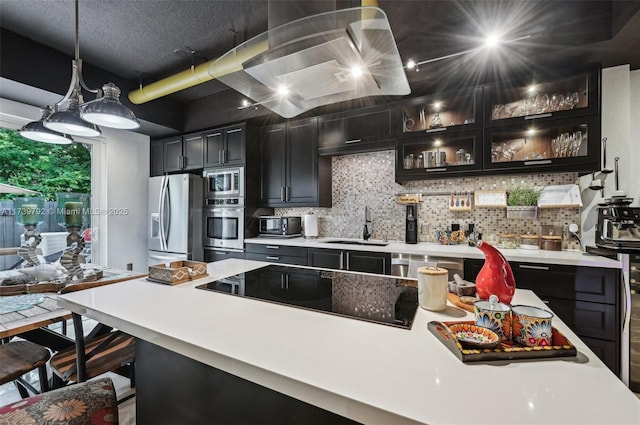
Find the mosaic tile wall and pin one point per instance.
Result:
(368, 180)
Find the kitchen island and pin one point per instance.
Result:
(363, 371)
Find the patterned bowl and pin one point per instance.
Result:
(475, 336)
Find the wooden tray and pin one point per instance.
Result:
(560, 347)
(177, 272)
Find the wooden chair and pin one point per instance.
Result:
(103, 350)
(20, 357)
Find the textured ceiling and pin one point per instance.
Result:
(138, 39)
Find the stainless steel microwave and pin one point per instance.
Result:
(224, 182)
(280, 226)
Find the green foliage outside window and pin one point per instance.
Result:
(43, 167)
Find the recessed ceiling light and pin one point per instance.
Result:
(437, 105)
(356, 71)
(282, 91)
(411, 64)
(492, 40)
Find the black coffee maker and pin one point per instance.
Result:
(411, 221)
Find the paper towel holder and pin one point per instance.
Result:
(310, 226)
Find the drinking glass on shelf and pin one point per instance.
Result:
(574, 99)
(542, 103)
(554, 102)
(576, 142)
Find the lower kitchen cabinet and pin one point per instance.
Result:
(587, 299)
(358, 261)
(211, 255)
(276, 254)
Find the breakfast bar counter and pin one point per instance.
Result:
(366, 372)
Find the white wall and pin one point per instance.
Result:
(618, 117)
(127, 170)
(120, 171)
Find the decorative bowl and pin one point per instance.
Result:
(475, 336)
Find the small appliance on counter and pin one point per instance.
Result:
(280, 227)
(310, 225)
(411, 200)
(618, 227)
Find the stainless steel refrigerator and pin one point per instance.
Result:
(175, 218)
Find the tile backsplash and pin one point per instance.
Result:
(361, 180)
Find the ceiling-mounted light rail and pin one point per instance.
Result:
(490, 42)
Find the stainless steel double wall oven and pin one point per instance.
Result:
(229, 214)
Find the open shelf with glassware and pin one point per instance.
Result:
(442, 113)
(434, 155)
(534, 97)
(570, 145)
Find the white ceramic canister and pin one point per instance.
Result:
(310, 225)
(433, 286)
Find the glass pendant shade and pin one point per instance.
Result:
(35, 130)
(108, 111)
(69, 121)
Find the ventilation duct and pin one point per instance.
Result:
(318, 60)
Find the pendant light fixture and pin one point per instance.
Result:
(36, 130)
(81, 119)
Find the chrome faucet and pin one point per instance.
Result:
(368, 229)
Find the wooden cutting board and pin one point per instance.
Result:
(455, 300)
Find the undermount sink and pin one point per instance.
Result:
(352, 242)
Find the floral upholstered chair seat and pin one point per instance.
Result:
(87, 403)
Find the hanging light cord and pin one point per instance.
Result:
(76, 70)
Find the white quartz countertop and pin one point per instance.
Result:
(372, 373)
(572, 258)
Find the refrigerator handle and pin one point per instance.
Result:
(161, 218)
(167, 212)
(626, 321)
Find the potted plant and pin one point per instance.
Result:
(522, 201)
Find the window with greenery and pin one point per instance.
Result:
(43, 167)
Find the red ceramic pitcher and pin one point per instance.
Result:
(496, 276)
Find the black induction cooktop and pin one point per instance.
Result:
(374, 298)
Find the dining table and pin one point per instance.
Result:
(27, 311)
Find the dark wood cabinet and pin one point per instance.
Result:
(363, 130)
(587, 299)
(292, 174)
(224, 146)
(156, 151)
(359, 261)
(369, 262)
(537, 122)
(555, 95)
(212, 255)
(176, 154)
(437, 155)
(276, 254)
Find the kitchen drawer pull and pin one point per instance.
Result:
(525, 266)
(220, 157)
(542, 162)
(353, 141)
(435, 130)
(533, 117)
(282, 194)
(272, 247)
(287, 193)
(431, 170)
(235, 130)
(272, 257)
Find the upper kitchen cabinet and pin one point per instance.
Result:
(225, 146)
(538, 145)
(175, 154)
(442, 113)
(438, 155)
(362, 130)
(563, 95)
(292, 173)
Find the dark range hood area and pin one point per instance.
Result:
(379, 299)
